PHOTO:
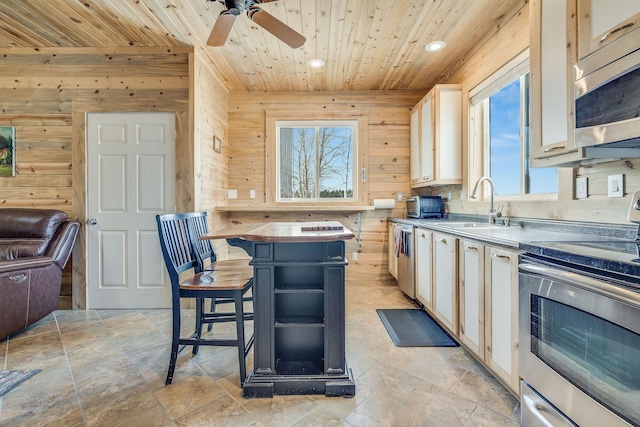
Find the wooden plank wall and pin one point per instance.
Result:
(388, 116)
(45, 92)
(211, 107)
(512, 39)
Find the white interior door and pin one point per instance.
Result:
(131, 170)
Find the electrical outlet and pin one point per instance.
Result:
(252, 194)
(581, 188)
(616, 185)
(399, 197)
(354, 256)
(232, 194)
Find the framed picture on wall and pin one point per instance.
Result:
(217, 144)
(7, 151)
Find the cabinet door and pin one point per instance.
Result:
(393, 259)
(436, 137)
(427, 140)
(448, 134)
(471, 291)
(415, 145)
(501, 314)
(423, 260)
(601, 22)
(446, 281)
(552, 56)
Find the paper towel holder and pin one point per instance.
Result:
(383, 204)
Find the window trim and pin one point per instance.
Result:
(360, 161)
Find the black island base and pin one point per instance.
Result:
(293, 380)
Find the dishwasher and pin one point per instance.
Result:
(405, 249)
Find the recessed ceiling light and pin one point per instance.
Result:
(316, 63)
(435, 46)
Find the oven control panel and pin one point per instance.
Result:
(634, 209)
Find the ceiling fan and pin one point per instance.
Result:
(222, 27)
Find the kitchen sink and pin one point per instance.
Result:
(453, 224)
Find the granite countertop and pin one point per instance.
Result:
(606, 247)
(509, 236)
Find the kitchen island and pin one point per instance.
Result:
(299, 309)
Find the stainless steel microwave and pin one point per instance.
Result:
(607, 95)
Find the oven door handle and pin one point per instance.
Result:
(584, 282)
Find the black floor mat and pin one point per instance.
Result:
(414, 328)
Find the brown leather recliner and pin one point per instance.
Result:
(35, 245)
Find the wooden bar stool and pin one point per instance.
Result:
(209, 261)
(178, 243)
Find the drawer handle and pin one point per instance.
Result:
(442, 240)
(426, 178)
(423, 235)
(503, 257)
(17, 277)
(550, 149)
(471, 248)
(612, 32)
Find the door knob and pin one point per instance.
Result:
(92, 221)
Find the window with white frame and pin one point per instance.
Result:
(500, 145)
(315, 160)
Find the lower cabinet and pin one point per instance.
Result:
(472, 296)
(423, 268)
(488, 287)
(501, 314)
(445, 277)
(471, 288)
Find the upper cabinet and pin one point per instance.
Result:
(601, 22)
(553, 52)
(436, 137)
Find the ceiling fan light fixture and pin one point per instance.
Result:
(435, 46)
(316, 63)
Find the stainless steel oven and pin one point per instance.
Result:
(579, 344)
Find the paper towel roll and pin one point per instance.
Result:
(384, 203)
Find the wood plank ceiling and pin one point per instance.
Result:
(366, 44)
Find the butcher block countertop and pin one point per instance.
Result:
(311, 231)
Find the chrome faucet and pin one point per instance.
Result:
(493, 214)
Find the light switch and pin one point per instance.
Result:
(616, 185)
(252, 194)
(232, 194)
(581, 188)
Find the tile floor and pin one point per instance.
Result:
(107, 368)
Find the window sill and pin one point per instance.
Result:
(293, 208)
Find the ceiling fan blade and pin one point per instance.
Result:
(276, 27)
(221, 29)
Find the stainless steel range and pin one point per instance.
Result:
(580, 332)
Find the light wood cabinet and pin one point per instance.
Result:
(553, 53)
(501, 315)
(393, 259)
(445, 277)
(472, 289)
(436, 137)
(424, 270)
(602, 22)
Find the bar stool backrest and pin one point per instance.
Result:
(204, 248)
(176, 242)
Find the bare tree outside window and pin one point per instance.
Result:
(316, 162)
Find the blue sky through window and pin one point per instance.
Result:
(505, 148)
